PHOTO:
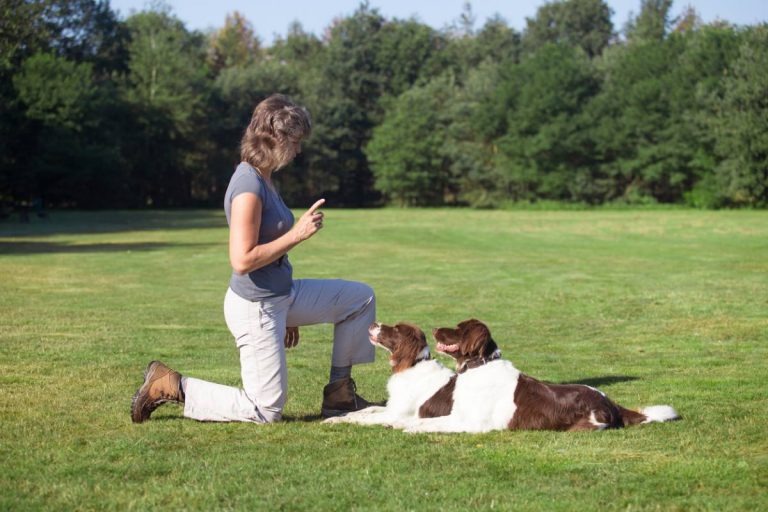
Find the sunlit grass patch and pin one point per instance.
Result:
(663, 306)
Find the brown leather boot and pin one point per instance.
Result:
(339, 398)
(161, 385)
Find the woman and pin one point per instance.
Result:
(264, 305)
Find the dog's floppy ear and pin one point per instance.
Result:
(419, 335)
(466, 324)
(412, 342)
(475, 338)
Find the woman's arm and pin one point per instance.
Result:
(245, 253)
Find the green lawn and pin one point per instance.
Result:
(653, 307)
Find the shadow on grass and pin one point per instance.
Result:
(603, 381)
(63, 247)
(307, 418)
(114, 221)
(154, 419)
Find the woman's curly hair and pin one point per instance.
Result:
(275, 125)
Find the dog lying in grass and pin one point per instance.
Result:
(416, 378)
(489, 393)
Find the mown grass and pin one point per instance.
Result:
(651, 306)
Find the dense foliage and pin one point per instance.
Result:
(98, 111)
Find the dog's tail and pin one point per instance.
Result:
(654, 413)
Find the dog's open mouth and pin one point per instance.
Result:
(449, 349)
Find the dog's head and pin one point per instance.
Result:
(469, 341)
(405, 342)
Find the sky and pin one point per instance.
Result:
(315, 15)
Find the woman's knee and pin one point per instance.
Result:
(266, 409)
(364, 292)
(271, 415)
(365, 301)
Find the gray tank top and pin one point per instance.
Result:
(276, 278)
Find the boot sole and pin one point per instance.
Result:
(330, 413)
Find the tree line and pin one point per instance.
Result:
(99, 111)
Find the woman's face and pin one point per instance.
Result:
(292, 148)
(295, 147)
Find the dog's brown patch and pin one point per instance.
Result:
(544, 406)
(441, 403)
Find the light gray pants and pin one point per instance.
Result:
(259, 331)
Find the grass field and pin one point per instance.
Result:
(653, 307)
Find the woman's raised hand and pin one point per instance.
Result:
(310, 222)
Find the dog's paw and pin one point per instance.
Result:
(400, 425)
(370, 410)
(337, 419)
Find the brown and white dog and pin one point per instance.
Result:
(489, 393)
(416, 377)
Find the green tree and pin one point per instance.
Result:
(564, 111)
(636, 137)
(367, 62)
(298, 45)
(345, 105)
(234, 45)
(545, 151)
(33, 34)
(22, 31)
(475, 121)
(79, 30)
(741, 124)
(87, 31)
(405, 55)
(406, 150)
(699, 77)
(497, 42)
(652, 23)
(462, 52)
(55, 91)
(165, 90)
(582, 23)
(649, 135)
(688, 20)
(66, 146)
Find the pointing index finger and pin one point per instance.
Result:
(317, 205)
